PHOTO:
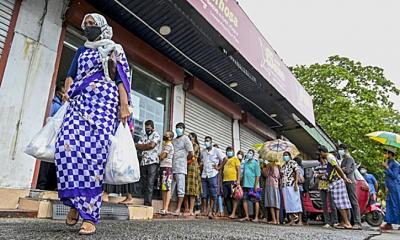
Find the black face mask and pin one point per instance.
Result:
(149, 132)
(92, 33)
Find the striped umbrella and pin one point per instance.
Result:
(386, 138)
(273, 150)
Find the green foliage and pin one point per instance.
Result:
(351, 100)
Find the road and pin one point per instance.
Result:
(172, 229)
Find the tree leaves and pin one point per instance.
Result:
(351, 100)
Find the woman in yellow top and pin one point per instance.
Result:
(231, 178)
(193, 180)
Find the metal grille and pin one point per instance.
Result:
(248, 138)
(108, 211)
(6, 11)
(204, 120)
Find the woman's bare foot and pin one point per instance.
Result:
(72, 217)
(255, 220)
(245, 219)
(106, 199)
(232, 216)
(127, 201)
(299, 223)
(87, 228)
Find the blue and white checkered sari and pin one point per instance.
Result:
(84, 139)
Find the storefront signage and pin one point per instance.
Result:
(233, 24)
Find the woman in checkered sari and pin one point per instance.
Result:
(98, 96)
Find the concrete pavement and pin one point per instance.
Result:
(172, 229)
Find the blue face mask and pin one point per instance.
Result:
(207, 144)
(249, 156)
(179, 132)
(341, 152)
(230, 154)
(286, 158)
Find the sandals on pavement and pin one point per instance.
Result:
(72, 217)
(386, 227)
(87, 228)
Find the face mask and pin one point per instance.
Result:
(363, 171)
(240, 156)
(286, 158)
(341, 152)
(92, 33)
(230, 154)
(207, 144)
(179, 132)
(249, 156)
(149, 132)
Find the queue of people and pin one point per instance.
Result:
(227, 183)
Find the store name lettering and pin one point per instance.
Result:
(221, 6)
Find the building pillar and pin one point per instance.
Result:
(178, 110)
(236, 135)
(25, 86)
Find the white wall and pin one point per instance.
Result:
(25, 87)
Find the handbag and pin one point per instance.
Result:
(122, 165)
(237, 192)
(43, 144)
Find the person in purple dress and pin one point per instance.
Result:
(98, 86)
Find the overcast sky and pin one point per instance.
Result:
(309, 31)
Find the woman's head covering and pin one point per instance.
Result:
(106, 30)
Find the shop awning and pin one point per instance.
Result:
(216, 42)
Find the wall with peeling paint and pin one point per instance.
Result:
(26, 85)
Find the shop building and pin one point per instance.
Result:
(200, 62)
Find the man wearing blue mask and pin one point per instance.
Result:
(211, 160)
(183, 152)
(348, 166)
(250, 183)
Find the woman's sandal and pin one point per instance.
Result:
(72, 217)
(87, 228)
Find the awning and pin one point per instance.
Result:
(201, 41)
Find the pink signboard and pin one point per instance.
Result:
(233, 24)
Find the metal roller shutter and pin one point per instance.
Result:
(6, 11)
(248, 138)
(205, 120)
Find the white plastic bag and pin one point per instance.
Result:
(122, 164)
(43, 144)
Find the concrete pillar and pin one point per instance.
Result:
(178, 111)
(26, 84)
(236, 135)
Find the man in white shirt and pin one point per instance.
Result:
(211, 160)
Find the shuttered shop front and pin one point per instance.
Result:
(6, 11)
(205, 120)
(248, 138)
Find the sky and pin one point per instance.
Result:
(309, 31)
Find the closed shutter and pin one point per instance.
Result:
(248, 138)
(205, 120)
(6, 11)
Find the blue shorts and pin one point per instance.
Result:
(210, 186)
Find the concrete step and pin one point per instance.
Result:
(9, 197)
(43, 207)
(17, 213)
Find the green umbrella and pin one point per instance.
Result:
(386, 138)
